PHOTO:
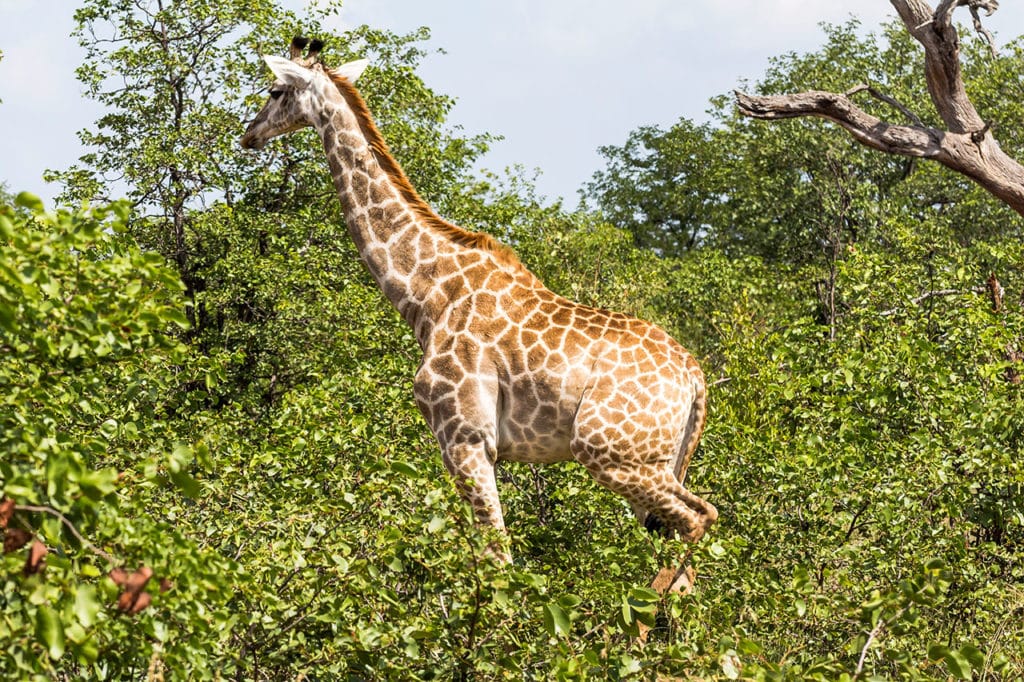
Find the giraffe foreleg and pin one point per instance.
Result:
(472, 469)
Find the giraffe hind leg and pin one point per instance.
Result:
(666, 501)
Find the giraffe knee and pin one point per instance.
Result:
(706, 517)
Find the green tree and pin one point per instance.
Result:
(661, 186)
(791, 191)
(87, 326)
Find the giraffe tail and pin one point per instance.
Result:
(694, 429)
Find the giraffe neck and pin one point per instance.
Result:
(421, 263)
(389, 226)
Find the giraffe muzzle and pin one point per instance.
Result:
(251, 141)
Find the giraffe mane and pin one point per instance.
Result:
(463, 237)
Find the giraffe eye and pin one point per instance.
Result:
(276, 94)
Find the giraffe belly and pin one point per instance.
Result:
(543, 449)
(535, 423)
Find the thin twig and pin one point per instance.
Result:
(984, 32)
(875, 631)
(70, 526)
(888, 99)
(853, 521)
(934, 294)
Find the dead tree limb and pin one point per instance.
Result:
(966, 145)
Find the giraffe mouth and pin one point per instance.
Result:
(251, 141)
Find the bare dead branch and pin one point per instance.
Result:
(984, 32)
(943, 15)
(918, 300)
(915, 141)
(875, 632)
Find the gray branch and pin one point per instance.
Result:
(891, 101)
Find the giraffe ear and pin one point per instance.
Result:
(351, 70)
(289, 72)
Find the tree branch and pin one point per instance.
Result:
(984, 32)
(891, 101)
(918, 300)
(915, 141)
(875, 632)
(71, 528)
(935, 32)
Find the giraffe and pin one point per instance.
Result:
(510, 370)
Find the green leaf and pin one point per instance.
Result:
(627, 612)
(436, 523)
(177, 317)
(749, 647)
(956, 663)
(628, 666)
(405, 468)
(186, 483)
(50, 631)
(730, 665)
(974, 655)
(556, 621)
(109, 428)
(86, 604)
(7, 318)
(29, 201)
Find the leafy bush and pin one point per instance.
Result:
(86, 330)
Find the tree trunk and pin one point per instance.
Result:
(967, 146)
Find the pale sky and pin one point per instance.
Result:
(556, 78)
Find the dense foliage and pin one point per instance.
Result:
(213, 467)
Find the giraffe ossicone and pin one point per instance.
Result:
(510, 371)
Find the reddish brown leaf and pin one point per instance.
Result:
(126, 600)
(142, 602)
(134, 599)
(138, 579)
(119, 576)
(6, 511)
(165, 584)
(36, 558)
(15, 539)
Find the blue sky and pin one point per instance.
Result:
(556, 78)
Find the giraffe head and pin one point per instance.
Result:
(295, 94)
